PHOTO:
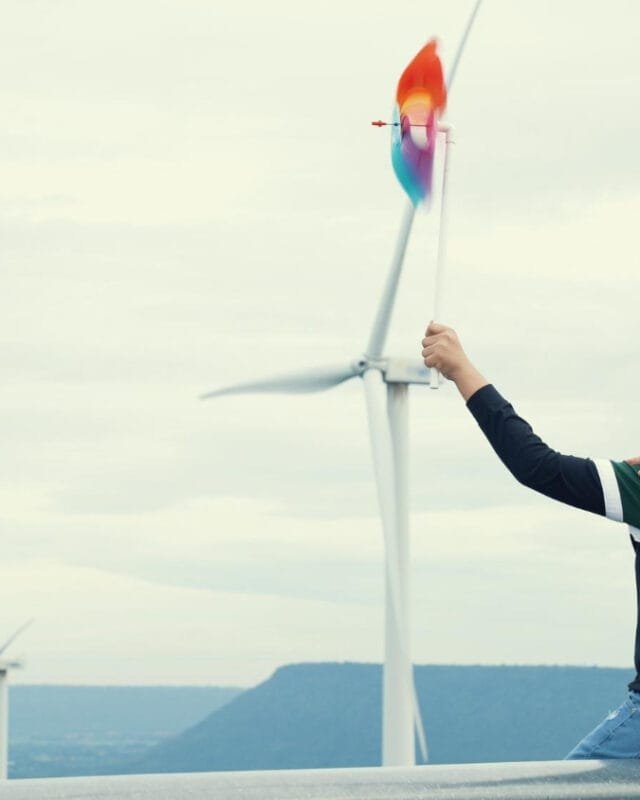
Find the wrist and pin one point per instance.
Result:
(468, 379)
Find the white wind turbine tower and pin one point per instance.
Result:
(5, 665)
(387, 411)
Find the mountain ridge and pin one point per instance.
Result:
(328, 714)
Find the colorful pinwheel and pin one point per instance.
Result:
(421, 98)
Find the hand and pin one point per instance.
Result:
(441, 349)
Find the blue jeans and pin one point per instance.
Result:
(617, 736)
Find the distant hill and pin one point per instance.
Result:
(84, 730)
(329, 715)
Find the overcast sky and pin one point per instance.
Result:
(191, 195)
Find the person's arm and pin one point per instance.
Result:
(575, 481)
(569, 479)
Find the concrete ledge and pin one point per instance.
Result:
(516, 781)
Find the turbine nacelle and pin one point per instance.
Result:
(407, 371)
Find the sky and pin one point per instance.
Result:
(192, 195)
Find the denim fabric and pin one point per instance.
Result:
(617, 736)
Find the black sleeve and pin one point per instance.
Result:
(568, 479)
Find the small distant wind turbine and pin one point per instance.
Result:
(5, 665)
(389, 434)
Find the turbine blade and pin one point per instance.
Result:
(387, 301)
(454, 66)
(418, 723)
(314, 380)
(15, 635)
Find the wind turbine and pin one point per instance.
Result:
(5, 665)
(387, 411)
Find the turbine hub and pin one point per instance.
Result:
(360, 365)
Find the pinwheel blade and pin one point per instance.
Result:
(307, 381)
(421, 98)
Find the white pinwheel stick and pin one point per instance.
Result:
(447, 130)
(434, 377)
